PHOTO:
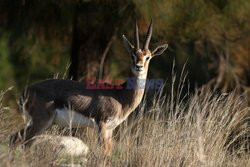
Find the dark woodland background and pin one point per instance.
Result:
(42, 38)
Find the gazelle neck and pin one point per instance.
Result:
(131, 98)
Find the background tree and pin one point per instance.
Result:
(41, 38)
(95, 25)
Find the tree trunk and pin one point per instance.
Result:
(92, 32)
(88, 45)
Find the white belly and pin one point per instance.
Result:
(67, 118)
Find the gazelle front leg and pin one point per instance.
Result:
(105, 138)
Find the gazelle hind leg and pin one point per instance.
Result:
(38, 123)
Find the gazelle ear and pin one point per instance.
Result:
(127, 44)
(159, 50)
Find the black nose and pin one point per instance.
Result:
(138, 66)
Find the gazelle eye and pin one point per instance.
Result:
(147, 58)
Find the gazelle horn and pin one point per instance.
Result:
(149, 34)
(136, 36)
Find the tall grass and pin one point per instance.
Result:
(207, 129)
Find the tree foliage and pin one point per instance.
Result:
(37, 38)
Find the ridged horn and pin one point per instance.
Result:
(149, 34)
(136, 36)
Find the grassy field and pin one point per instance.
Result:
(207, 129)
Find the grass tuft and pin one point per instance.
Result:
(207, 129)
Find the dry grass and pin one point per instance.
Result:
(205, 130)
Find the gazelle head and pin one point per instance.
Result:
(141, 57)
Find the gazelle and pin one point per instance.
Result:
(65, 102)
